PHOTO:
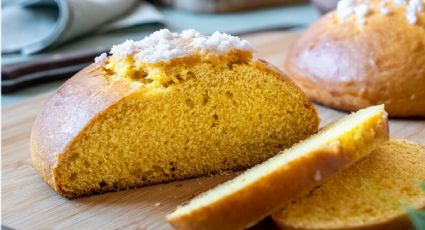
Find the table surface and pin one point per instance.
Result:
(28, 203)
(299, 15)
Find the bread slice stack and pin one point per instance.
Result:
(372, 194)
(265, 188)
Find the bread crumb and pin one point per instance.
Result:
(157, 204)
(335, 144)
(357, 136)
(136, 85)
(317, 176)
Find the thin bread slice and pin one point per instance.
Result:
(371, 194)
(263, 189)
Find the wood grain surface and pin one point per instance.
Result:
(28, 203)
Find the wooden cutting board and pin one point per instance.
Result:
(28, 203)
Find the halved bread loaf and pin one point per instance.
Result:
(264, 189)
(371, 194)
(170, 107)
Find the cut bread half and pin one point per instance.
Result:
(371, 194)
(263, 189)
(164, 109)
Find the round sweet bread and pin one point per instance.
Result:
(169, 107)
(363, 54)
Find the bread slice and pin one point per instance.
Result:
(371, 194)
(269, 186)
(169, 107)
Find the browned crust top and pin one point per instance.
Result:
(350, 66)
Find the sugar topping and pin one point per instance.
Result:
(361, 12)
(399, 2)
(220, 42)
(100, 58)
(360, 9)
(414, 7)
(345, 8)
(164, 45)
(383, 7)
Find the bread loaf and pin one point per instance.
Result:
(364, 54)
(169, 107)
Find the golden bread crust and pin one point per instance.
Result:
(348, 66)
(76, 103)
(267, 192)
(397, 220)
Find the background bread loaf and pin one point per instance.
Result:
(358, 61)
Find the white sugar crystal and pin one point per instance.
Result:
(100, 58)
(163, 34)
(244, 45)
(123, 49)
(383, 8)
(345, 8)
(399, 2)
(164, 45)
(220, 43)
(418, 5)
(361, 12)
(411, 17)
(190, 33)
(414, 7)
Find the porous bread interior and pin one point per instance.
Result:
(374, 190)
(192, 117)
(351, 131)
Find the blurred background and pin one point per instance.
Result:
(44, 42)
